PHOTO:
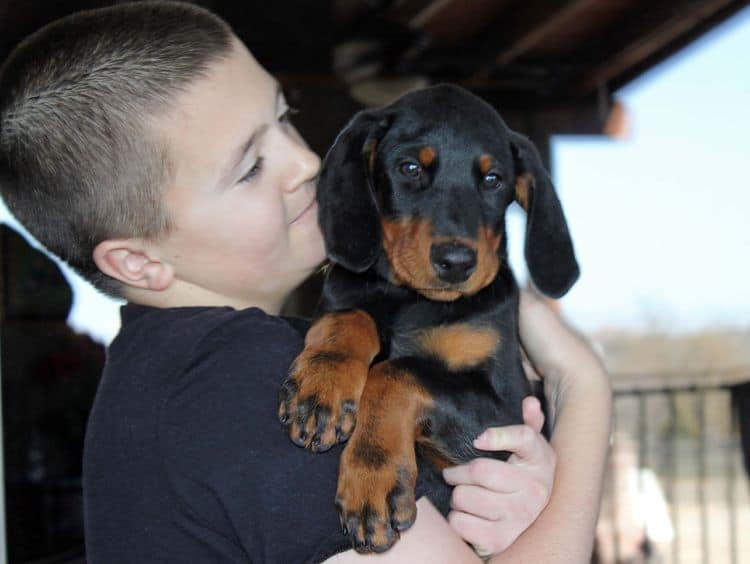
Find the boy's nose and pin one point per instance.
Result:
(304, 162)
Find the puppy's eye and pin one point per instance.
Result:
(411, 170)
(492, 180)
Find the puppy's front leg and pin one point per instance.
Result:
(320, 398)
(378, 469)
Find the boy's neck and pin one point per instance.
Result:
(181, 295)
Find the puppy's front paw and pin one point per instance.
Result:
(319, 399)
(375, 496)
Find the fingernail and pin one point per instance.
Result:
(448, 473)
(482, 439)
(487, 438)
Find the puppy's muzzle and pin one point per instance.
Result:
(453, 262)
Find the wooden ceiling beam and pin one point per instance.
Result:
(529, 24)
(651, 34)
(522, 27)
(405, 11)
(449, 23)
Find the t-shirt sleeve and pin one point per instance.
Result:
(229, 461)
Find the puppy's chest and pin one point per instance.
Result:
(456, 342)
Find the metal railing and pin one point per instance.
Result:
(675, 491)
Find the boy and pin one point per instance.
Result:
(146, 147)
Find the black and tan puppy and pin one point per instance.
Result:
(417, 337)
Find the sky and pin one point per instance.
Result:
(659, 220)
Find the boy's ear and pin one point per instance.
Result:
(129, 262)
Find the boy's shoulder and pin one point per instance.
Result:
(171, 351)
(174, 336)
(197, 322)
(187, 414)
(180, 357)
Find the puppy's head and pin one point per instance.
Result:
(427, 181)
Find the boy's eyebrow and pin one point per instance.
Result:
(242, 150)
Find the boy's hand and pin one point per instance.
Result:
(493, 502)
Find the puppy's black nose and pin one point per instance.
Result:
(453, 262)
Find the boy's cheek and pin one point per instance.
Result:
(267, 245)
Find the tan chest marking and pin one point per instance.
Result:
(460, 345)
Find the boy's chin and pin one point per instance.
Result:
(317, 256)
(315, 266)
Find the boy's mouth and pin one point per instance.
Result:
(307, 208)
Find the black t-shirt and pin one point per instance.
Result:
(185, 459)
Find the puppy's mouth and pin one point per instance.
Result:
(409, 246)
(449, 294)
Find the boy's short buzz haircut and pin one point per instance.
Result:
(79, 161)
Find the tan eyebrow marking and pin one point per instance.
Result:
(485, 163)
(426, 155)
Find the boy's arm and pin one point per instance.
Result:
(580, 401)
(430, 539)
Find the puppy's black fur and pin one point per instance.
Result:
(412, 205)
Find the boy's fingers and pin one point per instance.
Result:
(522, 506)
(532, 413)
(521, 440)
(478, 501)
(486, 537)
(494, 475)
(472, 529)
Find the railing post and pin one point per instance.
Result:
(700, 396)
(731, 480)
(672, 475)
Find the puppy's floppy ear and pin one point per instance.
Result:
(348, 215)
(548, 247)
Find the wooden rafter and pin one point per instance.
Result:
(523, 26)
(534, 22)
(650, 35)
(459, 20)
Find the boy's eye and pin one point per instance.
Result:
(287, 115)
(256, 168)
